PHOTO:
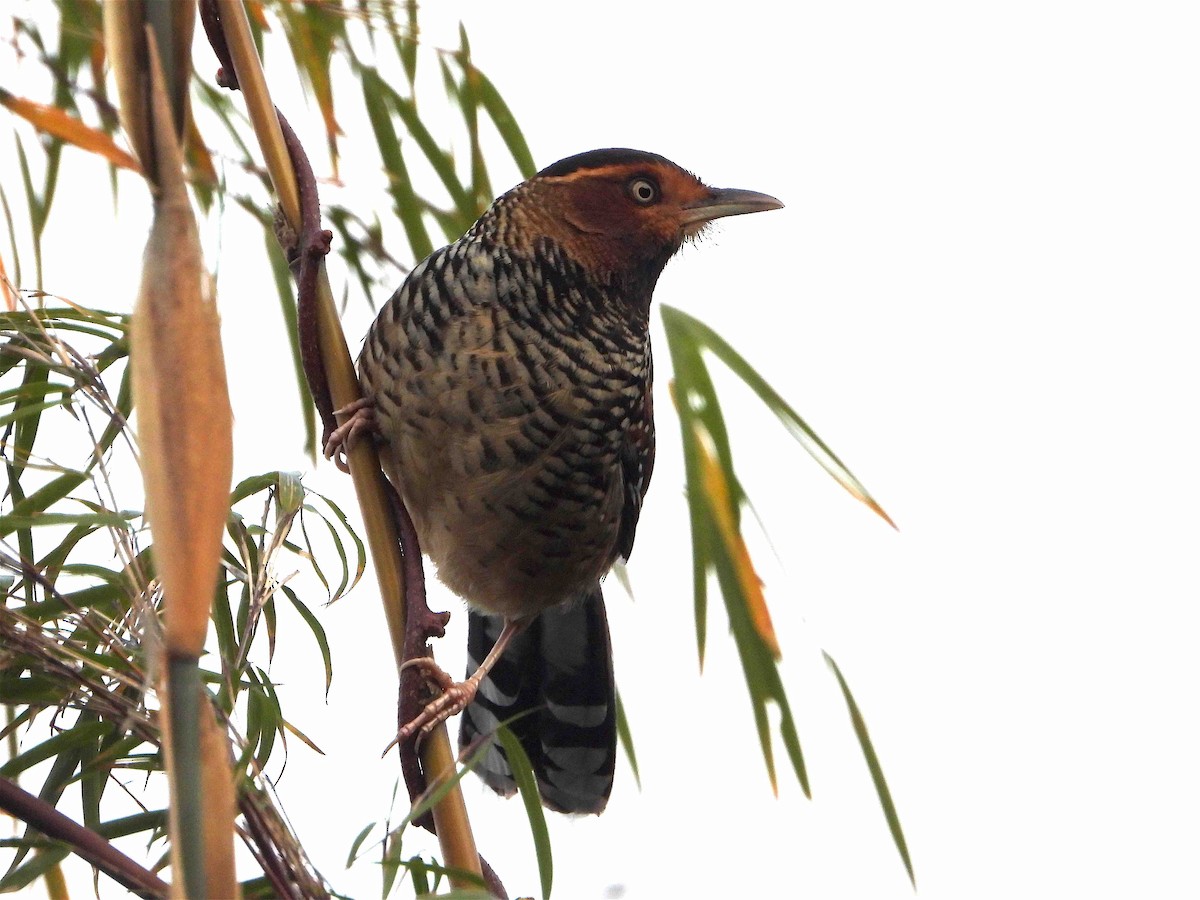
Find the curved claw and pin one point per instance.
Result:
(361, 418)
(455, 696)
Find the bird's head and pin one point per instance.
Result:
(623, 213)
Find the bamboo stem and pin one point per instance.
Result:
(438, 759)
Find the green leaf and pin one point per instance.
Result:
(357, 843)
(318, 633)
(876, 770)
(263, 714)
(107, 519)
(469, 103)
(63, 743)
(31, 690)
(27, 427)
(404, 199)
(392, 862)
(37, 213)
(289, 498)
(440, 160)
(287, 305)
(714, 498)
(12, 238)
(677, 321)
(625, 736)
(506, 125)
(43, 498)
(45, 859)
(50, 564)
(155, 820)
(406, 45)
(248, 487)
(527, 786)
(342, 524)
(419, 873)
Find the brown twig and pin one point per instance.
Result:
(289, 881)
(304, 252)
(85, 843)
(310, 247)
(421, 625)
(437, 758)
(210, 17)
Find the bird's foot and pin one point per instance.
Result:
(455, 696)
(361, 418)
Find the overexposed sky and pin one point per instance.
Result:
(983, 295)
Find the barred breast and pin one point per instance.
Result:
(512, 407)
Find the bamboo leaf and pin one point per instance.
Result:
(675, 319)
(523, 775)
(469, 103)
(35, 504)
(441, 160)
(403, 197)
(287, 305)
(151, 820)
(49, 856)
(27, 428)
(876, 770)
(406, 45)
(352, 856)
(721, 506)
(304, 738)
(318, 633)
(37, 210)
(15, 281)
(312, 34)
(506, 125)
(106, 519)
(57, 123)
(625, 736)
(64, 743)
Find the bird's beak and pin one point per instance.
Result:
(727, 202)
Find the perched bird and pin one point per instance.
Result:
(509, 382)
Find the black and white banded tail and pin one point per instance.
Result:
(556, 679)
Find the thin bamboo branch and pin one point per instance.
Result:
(84, 842)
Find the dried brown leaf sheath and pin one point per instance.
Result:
(182, 400)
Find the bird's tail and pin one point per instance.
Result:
(555, 682)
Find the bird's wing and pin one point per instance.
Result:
(637, 465)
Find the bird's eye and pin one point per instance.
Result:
(644, 191)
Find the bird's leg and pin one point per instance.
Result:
(455, 695)
(361, 418)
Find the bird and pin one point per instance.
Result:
(508, 384)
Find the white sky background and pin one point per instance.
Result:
(982, 294)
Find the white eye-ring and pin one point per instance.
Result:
(643, 191)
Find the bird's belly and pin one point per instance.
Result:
(500, 539)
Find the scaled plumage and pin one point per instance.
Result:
(510, 376)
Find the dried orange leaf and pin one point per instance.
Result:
(198, 155)
(57, 123)
(6, 291)
(717, 489)
(254, 9)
